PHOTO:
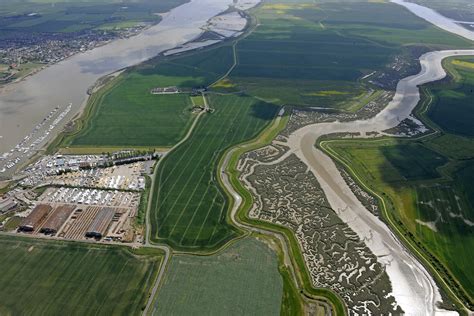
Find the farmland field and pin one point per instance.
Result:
(189, 209)
(127, 114)
(453, 108)
(316, 53)
(76, 16)
(240, 280)
(63, 278)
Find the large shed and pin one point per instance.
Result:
(101, 223)
(57, 219)
(36, 218)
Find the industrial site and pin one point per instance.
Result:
(80, 197)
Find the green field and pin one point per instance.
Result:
(453, 108)
(63, 16)
(189, 208)
(240, 280)
(313, 54)
(63, 278)
(127, 114)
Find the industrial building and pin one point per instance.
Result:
(57, 219)
(35, 219)
(165, 90)
(101, 223)
(81, 221)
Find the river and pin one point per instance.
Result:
(413, 287)
(26, 104)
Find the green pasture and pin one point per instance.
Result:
(242, 279)
(64, 278)
(189, 209)
(63, 16)
(127, 114)
(453, 108)
(313, 54)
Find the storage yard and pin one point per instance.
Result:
(79, 197)
(119, 171)
(77, 214)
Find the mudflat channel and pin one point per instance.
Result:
(413, 287)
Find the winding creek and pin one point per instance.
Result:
(25, 104)
(413, 287)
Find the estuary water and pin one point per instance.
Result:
(62, 88)
(413, 287)
(437, 19)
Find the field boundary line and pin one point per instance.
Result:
(190, 160)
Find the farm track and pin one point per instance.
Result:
(148, 242)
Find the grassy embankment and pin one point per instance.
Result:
(57, 278)
(426, 184)
(304, 285)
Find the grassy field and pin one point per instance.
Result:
(307, 53)
(240, 280)
(67, 16)
(453, 108)
(63, 278)
(189, 209)
(126, 113)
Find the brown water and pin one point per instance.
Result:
(25, 104)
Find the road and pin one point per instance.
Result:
(148, 243)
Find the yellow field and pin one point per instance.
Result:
(281, 7)
(462, 63)
(224, 83)
(327, 93)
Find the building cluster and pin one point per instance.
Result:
(121, 170)
(8, 203)
(74, 213)
(80, 197)
(165, 90)
(72, 222)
